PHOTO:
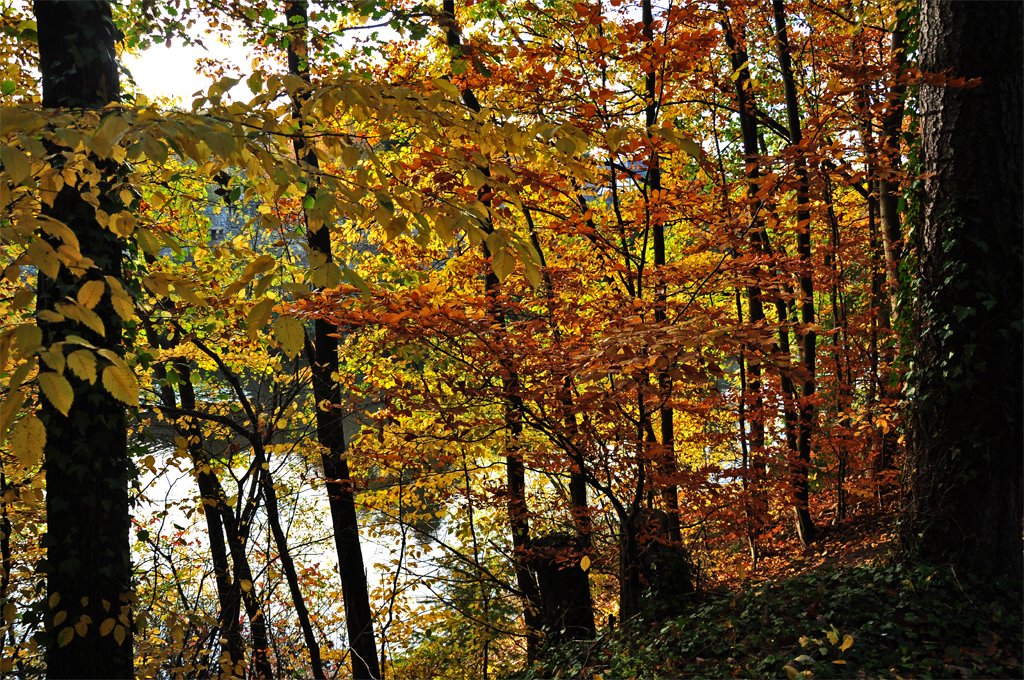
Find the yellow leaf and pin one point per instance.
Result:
(791, 672)
(16, 163)
(585, 563)
(65, 636)
(82, 315)
(49, 316)
(258, 266)
(833, 636)
(289, 332)
(53, 601)
(119, 634)
(54, 357)
(221, 143)
(28, 439)
(689, 146)
(9, 408)
(447, 88)
(83, 363)
(350, 156)
(22, 298)
(90, 293)
(245, 585)
(847, 643)
(122, 301)
(44, 257)
(10, 612)
(82, 628)
(107, 626)
(839, 661)
(121, 383)
(57, 389)
(258, 317)
(59, 618)
(28, 339)
(502, 263)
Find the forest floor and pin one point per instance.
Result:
(844, 608)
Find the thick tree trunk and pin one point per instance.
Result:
(322, 354)
(86, 459)
(963, 500)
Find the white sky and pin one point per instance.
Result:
(172, 71)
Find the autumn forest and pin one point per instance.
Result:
(527, 339)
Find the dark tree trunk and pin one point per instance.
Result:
(518, 511)
(888, 199)
(322, 354)
(963, 502)
(86, 460)
(808, 350)
(757, 470)
(667, 460)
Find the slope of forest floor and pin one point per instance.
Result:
(843, 609)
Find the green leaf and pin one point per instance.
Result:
(65, 636)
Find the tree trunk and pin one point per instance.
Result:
(322, 354)
(88, 558)
(667, 459)
(518, 511)
(757, 470)
(804, 525)
(963, 500)
(888, 200)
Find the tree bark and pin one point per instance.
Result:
(86, 459)
(518, 510)
(804, 524)
(322, 354)
(757, 469)
(963, 500)
(667, 459)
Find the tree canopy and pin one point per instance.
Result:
(457, 337)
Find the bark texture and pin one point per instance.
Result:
(963, 479)
(87, 550)
(322, 355)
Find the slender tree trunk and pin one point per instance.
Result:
(221, 522)
(322, 354)
(292, 576)
(804, 525)
(227, 592)
(86, 458)
(755, 305)
(515, 469)
(5, 558)
(669, 492)
(888, 199)
(963, 499)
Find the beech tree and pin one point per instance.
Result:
(83, 423)
(625, 283)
